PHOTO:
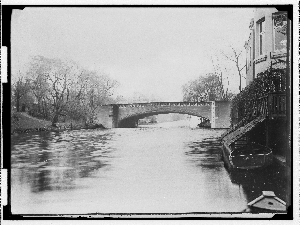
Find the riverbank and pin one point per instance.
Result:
(21, 122)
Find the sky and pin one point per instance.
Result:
(153, 51)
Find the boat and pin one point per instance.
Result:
(267, 202)
(248, 156)
(241, 153)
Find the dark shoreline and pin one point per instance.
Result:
(22, 123)
(56, 129)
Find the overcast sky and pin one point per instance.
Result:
(150, 50)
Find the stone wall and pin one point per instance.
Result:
(105, 116)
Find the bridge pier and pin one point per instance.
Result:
(105, 116)
(222, 114)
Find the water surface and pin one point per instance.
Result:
(154, 169)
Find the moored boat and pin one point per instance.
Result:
(247, 156)
(240, 152)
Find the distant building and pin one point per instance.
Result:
(267, 43)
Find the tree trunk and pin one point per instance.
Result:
(55, 119)
(240, 82)
(45, 110)
(39, 107)
(23, 108)
(18, 103)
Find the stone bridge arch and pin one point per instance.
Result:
(113, 116)
(128, 118)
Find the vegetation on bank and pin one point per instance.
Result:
(24, 123)
(60, 91)
(248, 102)
(205, 88)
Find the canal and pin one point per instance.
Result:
(151, 169)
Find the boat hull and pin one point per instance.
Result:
(246, 161)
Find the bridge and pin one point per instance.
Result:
(127, 115)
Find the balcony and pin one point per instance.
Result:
(272, 105)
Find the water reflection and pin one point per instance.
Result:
(253, 182)
(206, 153)
(52, 161)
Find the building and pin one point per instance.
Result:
(267, 43)
(261, 113)
(266, 97)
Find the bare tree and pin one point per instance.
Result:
(21, 90)
(99, 89)
(68, 89)
(235, 58)
(53, 81)
(39, 88)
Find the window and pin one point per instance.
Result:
(279, 32)
(261, 36)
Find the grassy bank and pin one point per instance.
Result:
(21, 122)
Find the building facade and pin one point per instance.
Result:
(267, 43)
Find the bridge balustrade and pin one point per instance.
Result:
(163, 104)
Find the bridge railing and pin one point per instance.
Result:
(162, 104)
